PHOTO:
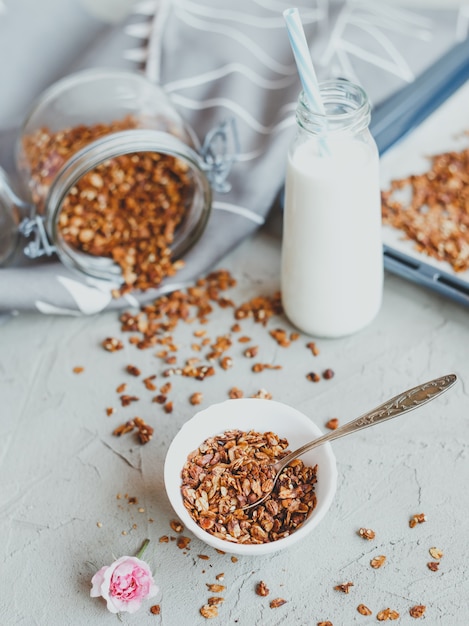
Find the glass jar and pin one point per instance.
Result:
(332, 261)
(112, 179)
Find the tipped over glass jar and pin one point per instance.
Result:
(112, 180)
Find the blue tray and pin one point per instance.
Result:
(394, 119)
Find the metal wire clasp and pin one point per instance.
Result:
(40, 245)
(219, 151)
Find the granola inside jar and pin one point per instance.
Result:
(117, 188)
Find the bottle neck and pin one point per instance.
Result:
(347, 109)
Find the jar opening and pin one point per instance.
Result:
(131, 217)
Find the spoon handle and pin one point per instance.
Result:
(400, 404)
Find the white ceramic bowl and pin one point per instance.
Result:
(260, 415)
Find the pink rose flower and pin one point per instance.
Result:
(124, 584)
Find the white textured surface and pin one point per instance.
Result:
(61, 468)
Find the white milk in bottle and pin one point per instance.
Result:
(332, 262)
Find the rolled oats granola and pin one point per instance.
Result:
(233, 469)
(435, 215)
(126, 208)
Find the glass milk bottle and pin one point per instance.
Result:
(332, 262)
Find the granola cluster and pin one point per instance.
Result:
(436, 214)
(126, 208)
(232, 470)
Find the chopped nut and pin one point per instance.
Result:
(377, 561)
(208, 611)
(110, 411)
(281, 337)
(145, 432)
(367, 533)
(220, 576)
(121, 388)
(133, 370)
(196, 398)
(234, 559)
(176, 526)
(274, 604)
(363, 609)
(313, 377)
(386, 614)
(251, 352)
(214, 588)
(149, 384)
(328, 623)
(111, 344)
(215, 600)
(333, 423)
(328, 374)
(436, 553)
(164, 539)
(183, 542)
(417, 611)
(313, 347)
(262, 589)
(226, 362)
(261, 308)
(155, 609)
(78, 369)
(124, 428)
(204, 557)
(126, 399)
(263, 394)
(235, 392)
(344, 587)
(433, 566)
(166, 388)
(417, 519)
(168, 407)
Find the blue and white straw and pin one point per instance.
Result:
(303, 60)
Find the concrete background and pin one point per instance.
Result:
(61, 469)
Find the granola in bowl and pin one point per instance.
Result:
(234, 469)
(219, 461)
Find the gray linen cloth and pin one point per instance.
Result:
(216, 62)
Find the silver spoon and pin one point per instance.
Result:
(400, 404)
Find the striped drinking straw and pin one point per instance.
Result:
(304, 62)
